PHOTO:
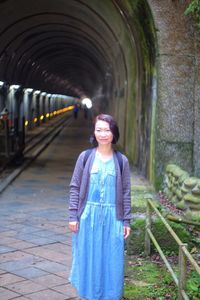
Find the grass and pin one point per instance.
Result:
(146, 280)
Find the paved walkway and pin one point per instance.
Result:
(35, 243)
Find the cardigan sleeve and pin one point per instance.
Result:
(126, 191)
(74, 191)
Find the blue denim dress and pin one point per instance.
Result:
(98, 248)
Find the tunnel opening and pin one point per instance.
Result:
(101, 50)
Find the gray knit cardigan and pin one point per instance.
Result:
(80, 183)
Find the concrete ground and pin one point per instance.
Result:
(35, 243)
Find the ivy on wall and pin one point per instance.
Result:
(193, 9)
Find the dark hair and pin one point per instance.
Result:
(113, 127)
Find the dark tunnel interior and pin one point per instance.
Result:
(63, 47)
(85, 48)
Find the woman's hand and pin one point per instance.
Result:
(73, 226)
(127, 231)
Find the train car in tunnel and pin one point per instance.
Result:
(12, 131)
(21, 109)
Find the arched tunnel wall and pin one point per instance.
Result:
(135, 59)
(100, 49)
(140, 85)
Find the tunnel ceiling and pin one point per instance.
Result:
(58, 46)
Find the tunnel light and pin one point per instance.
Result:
(26, 123)
(43, 94)
(14, 87)
(48, 95)
(87, 102)
(1, 83)
(47, 115)
(41, 117)
(28, 90)
(37, 92)
(69, 107)
(35, 120)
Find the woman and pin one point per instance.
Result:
(99, 216)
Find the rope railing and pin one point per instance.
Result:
(184, 254)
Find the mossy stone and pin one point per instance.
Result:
(190, 214)
(170, 168)
(183, 177)
(191, 198)
(178, 172)
(190, 182)
(184, 190)
(179, 194)
(181, 205)
(194, 206)
(174, 189)
(174, 199)
(196, 191)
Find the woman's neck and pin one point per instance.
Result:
(105, 151)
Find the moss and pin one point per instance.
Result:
(165, 239)
(191, 198)
(179, 194)
(196, 191)
(183, 177)
(158, 182)
(141, 22)
(184, 190)
(196, 219)
(181, 204)
(135, 244)
(143, 277)
(170, 168)
(191, 182)
(139, 196)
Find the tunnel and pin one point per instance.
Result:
(104, 50)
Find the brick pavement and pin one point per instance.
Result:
(35, 244)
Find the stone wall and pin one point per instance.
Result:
(182, 190)
(178, 94)
(196, 157)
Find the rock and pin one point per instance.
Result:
(196, 191)
(191, 198)
(190, 182)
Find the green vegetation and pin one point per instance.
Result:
(135, 244)
(150, 280)
(193, 9)
(193, 286)
(147, 278)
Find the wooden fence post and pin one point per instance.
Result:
(147, 246)
(183, 271)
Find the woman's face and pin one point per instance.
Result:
(103, 133)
